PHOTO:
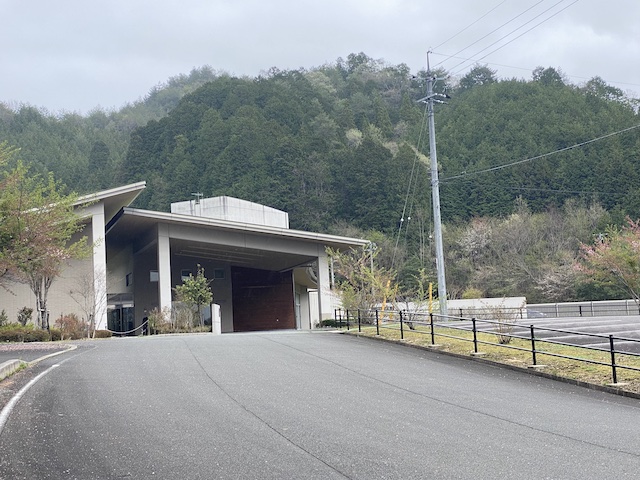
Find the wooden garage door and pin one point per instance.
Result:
(262, 300)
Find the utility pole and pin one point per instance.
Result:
(435, 191)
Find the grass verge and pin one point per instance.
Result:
(582, 367)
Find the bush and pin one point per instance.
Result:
(71, 327)
(3, 318)
(471, 293)
(103, 334)
(159, 321)
(330, 323)
(19, 333)
(24, 315)
(55, 334)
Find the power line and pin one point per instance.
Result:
(413, 181)
(530, 69)
(515, 30)
(527, 31)
(577, 192)
(538, 157)
(470, 25)
(492, 31)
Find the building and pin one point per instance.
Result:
(264, 274)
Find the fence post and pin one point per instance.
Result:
(475, 336)
(401, 328)
(433, 335)
(359, 322)
(613, 359)
(580, 309)
(348, 320)
(377, 323)
(533, 346)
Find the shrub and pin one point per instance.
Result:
(3, 318)
(19, 333)
(329, 323)
(103, 334)
(159, 321)
(55, 334)
(71, 327)
(471, 293)
(24, 315)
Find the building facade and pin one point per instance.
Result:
(263, 274)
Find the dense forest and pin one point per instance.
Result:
(344, 148)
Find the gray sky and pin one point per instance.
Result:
(75, 55)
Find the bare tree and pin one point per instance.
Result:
(84, 294)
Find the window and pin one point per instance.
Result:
(153, 276)
(218, 273)
(185, 274)
(128, 279)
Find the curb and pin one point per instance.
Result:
(10, 367)
(535, 373)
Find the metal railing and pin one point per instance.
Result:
(584, 309)
(434, 325)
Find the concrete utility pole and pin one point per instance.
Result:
(435, 194)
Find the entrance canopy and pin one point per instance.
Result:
(261, 274)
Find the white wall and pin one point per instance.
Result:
(233, 209)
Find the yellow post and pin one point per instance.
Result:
(430, 297)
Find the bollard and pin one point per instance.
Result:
(533, 346)
(613, 360)
(475, 335)
(433, 335)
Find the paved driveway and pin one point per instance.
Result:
(307, 405)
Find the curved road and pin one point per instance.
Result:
(309, 406)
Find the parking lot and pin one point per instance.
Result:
(592, 332)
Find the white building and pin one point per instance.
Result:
(261, 270)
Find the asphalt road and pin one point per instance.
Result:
(305, 406)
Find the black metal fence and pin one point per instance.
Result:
(504, 329)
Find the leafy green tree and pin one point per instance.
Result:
(195, 292)
(39, 228)
(479, 75)
(548, 76)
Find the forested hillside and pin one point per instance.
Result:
(84, 151)
(344, 146)
(339, 143)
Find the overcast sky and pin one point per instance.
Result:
(75, 55)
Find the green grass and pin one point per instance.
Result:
(568, 368)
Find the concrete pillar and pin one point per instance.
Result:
(164, 268)
(99, 265)
(216, 324)
(325, 310)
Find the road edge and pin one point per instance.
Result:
(10, 367)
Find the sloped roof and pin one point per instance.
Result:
(135, 218)
(114, 199)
